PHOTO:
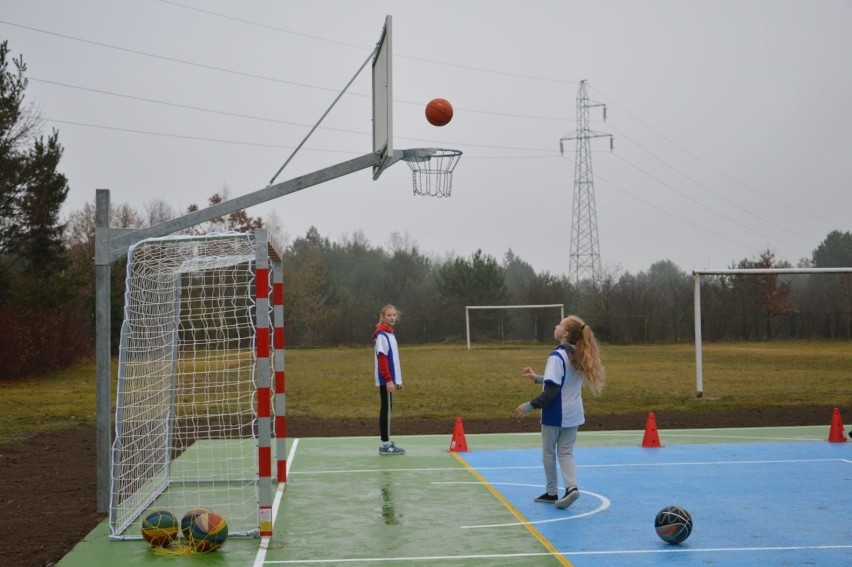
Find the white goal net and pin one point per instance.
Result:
(192, 372)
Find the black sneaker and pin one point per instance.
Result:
(551, 498)
(391, 449)
(569, 498)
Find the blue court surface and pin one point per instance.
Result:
(751, 503)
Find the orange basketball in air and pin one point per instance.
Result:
(439, 112)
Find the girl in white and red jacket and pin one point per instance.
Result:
(388, 375)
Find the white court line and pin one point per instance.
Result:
(359, 471)
(605, 503)
(705, 463)
(622, 433)
(429, 558)
(720, 439)
(260, 558)
(674, 463)
(567, 554)
(708, 549)
(592, 466)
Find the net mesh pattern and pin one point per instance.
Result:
(186, 421)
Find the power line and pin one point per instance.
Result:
(185, 137)
(174, 59)
(263, 118)
(266, 77)
(707, 208)
(671, 214)
(352, 45)
(279, 146)
(184, 106)
(786, 229)
(796, 208)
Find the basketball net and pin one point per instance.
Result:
(432, 170)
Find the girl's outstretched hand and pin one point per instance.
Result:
(529, 373)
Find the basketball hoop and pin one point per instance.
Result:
(432, 170)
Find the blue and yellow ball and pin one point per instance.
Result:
(160, 528)
(208, 532)
(189, 519)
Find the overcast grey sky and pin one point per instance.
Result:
(732, 120)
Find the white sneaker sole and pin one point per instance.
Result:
(569, 499)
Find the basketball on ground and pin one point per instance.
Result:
(189, 518)
(208, 532)
(160, 528)
(673, 524)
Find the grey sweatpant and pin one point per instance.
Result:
(558, 443)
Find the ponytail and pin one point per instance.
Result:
(586, 359)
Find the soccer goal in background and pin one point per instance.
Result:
(194, 402)
(753, 272)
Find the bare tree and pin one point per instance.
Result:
(158, 211)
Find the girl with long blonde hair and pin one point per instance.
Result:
(574, 363)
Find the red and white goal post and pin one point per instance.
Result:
(200, 394)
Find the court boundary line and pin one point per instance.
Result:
(372, 560)
(536, 467)
(556, 554)
(260, 558)
(707, 549)
(705, 463)
(708, 432)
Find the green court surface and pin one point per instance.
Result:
(345, 505)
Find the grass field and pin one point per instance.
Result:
(442, 381)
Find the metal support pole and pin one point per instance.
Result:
(103, 359)
(467, 325)
(699, 371)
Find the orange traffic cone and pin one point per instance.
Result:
(836, 434)
(458, 444)
(652, 438)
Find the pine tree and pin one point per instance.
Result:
(38, 300)
(32, 191)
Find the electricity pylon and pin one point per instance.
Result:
(585, 256)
